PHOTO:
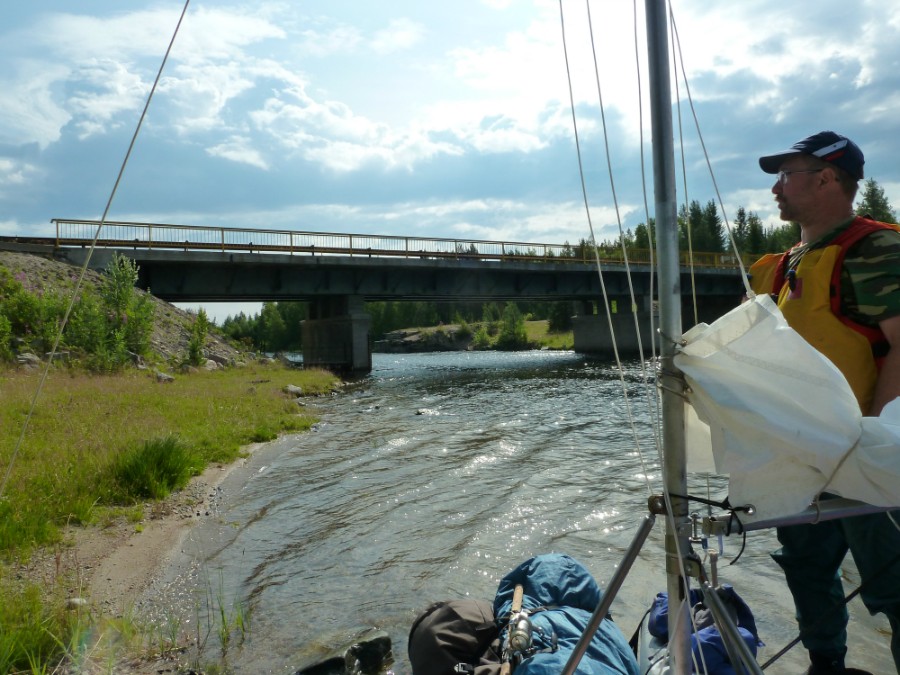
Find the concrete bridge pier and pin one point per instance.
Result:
(336, 335)
(591, 330)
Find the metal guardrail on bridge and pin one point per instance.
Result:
(120, 234)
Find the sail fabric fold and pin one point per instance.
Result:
(783, 421)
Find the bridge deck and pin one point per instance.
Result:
(123, 234)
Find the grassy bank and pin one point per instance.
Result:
(478, 335)
(538, 332)
(97, 446)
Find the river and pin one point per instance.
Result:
(430, 479)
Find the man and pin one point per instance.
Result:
(840, 289)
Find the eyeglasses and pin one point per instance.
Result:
(783, 175)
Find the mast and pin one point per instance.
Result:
(673, 438)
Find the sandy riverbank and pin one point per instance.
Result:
(107, 568)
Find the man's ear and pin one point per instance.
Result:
(829, 174)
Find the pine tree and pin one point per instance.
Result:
(713, 229)
(641, 237)
(875, 204)
(756, 234)
(741, 229)
(691, 223)
(560, 318)
(270, 328)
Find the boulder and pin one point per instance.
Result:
(28, 359)
(219, 359)
(164, 378)
(368, 654)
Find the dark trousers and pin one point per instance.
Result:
(811, 557)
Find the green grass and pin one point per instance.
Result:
(153, 470)
(92, 439)
(537, 333)
(99, 444)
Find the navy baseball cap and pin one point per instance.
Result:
(826, 145)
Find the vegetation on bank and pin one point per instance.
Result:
(495, 325)
(98, 446)
(511, 332)
(110, 323)
(105, 437)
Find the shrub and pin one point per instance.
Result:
(109, 323)
(33, 317)
(129, 315)
(481, 340)
(153, 470)
(464, 332)
(197, 341)
(5, 338)
(512, 329)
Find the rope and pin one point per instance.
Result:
(90, 252)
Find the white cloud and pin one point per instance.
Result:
(330, 134)
(67, 83)
(29, 112)
(13, 227)
(202, 93)
(336, 40)
(13, 173)
(400, 35)
(219, 311)
(207, 34)
(105, 89)
(238, 149)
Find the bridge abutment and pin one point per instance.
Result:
(591, 332)
(336, 335)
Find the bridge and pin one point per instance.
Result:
(337, 273)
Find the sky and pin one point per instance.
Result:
(413, 118)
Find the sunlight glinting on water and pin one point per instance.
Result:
(432, 479)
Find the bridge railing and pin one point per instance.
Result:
(123, 234)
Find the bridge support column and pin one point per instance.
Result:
(336, 335)
(592, 335)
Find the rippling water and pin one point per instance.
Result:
(432, 478)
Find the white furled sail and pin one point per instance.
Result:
(783, 421)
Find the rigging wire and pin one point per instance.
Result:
(687, 210)
(670, 518)
(593, 241)
(625, 258)
(651, 239)
(712, 174)
(90, 252)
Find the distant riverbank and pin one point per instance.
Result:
(453, 337)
